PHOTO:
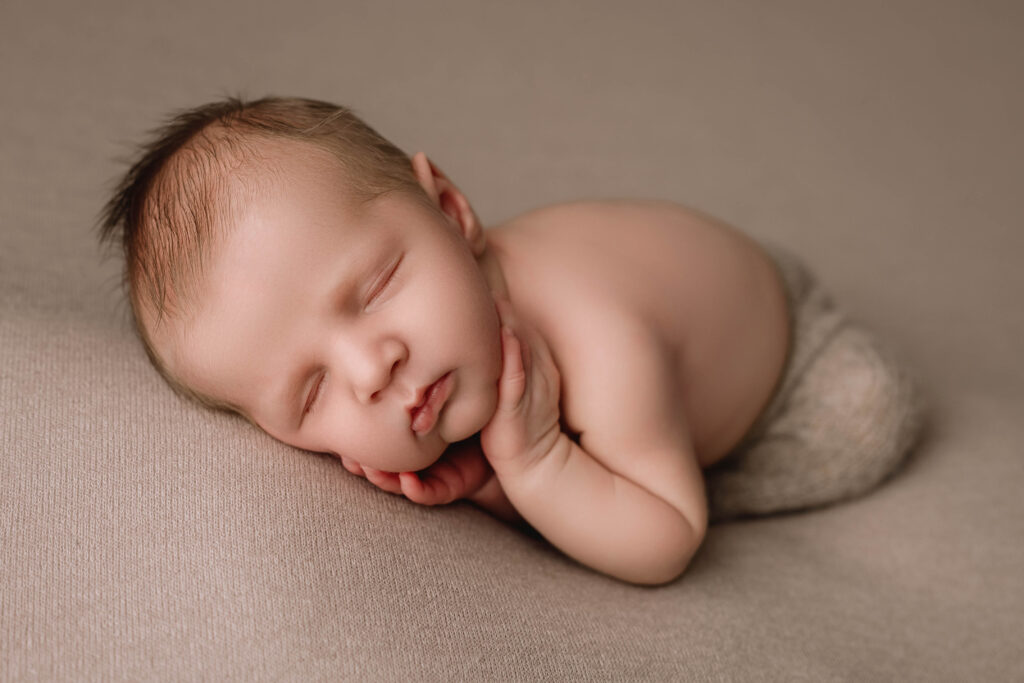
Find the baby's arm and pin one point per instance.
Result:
(635, 507)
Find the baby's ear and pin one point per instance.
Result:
(447, 197)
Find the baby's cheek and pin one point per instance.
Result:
(470, 413)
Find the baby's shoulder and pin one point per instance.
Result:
(568, 258)
(590, 234)
(612, 217)
(632, 258)
(595, 278)
(663, 298)
(629, 236)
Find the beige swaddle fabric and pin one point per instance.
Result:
(843, 416)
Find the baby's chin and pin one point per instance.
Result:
(468, 438)
(459, 427)
(468, 419)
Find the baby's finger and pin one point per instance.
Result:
(512, 385)
(446, 480)
(425, 490)
(412, 487)
(384, 480)
(527, 355)
(505, 315)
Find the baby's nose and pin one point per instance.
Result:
(379, 367)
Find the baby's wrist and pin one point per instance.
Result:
(491, 497)
(548, 458)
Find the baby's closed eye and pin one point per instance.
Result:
(314, 394)
(383, 283)
(386, 281)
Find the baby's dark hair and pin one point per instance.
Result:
(173, 203)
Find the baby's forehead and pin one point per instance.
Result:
(289, 212)
(229, 162)
(240, 171)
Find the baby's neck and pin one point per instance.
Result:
(490, 265)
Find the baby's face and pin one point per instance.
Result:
(325, 321)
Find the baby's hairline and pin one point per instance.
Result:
(173, 208)
(235, 181)
(172, 323)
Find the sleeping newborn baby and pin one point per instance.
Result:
(613, 374)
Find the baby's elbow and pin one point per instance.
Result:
(668, 556)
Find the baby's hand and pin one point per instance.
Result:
(459, 473)
(525, 427)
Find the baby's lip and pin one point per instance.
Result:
(421, 396)
(423, 416)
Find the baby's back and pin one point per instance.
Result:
(701, 292)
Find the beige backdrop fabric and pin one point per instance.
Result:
(143, 538)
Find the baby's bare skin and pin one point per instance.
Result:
(609, 284)
(669, 331)
(646, 340)
(695, 300)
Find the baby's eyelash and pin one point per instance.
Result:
(314, 396)
(387, 281)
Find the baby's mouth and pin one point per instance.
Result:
(424, 416)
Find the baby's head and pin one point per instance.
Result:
(285, 262)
